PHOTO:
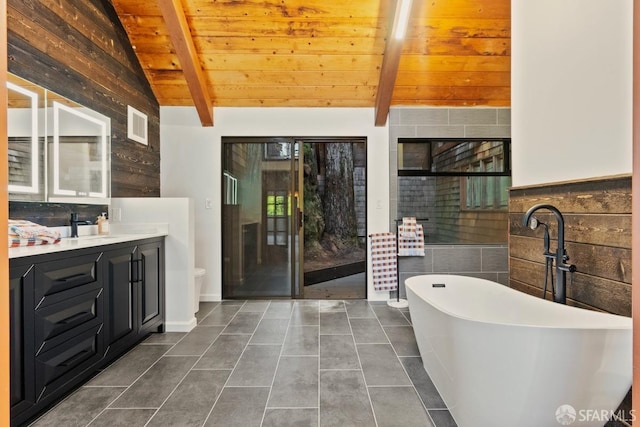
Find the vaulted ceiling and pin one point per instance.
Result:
(320, 53)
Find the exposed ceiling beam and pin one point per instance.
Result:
(391, 60)
(178, 28)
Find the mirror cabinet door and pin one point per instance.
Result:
(25, 124)
(78, 152)
(74, 166)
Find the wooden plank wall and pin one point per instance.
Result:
(597, 215)
(79, 49)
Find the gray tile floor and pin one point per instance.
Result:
(267, 363)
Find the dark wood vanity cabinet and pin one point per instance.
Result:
(22, 389)
(135, 294)
(73, 312)
(151, 280)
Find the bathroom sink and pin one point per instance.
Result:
(91, 238)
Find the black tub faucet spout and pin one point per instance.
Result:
(561, 257)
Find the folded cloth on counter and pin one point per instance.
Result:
(384, 262)
(27, 233)
(411, 246)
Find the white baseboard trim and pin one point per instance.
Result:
(373, 296)
(180, 326)
(378, 295)
(210, 297)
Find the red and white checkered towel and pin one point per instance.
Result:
(408, 227)
(384, 262)
(27, 233)
(411, 243)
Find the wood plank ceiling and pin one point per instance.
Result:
(325, 53)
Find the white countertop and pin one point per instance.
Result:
(71, 243)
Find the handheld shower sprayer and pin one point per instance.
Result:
(560, 257)
(534, 223)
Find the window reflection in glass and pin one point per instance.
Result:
(459, 184)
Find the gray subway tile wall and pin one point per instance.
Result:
(487, 131)
(424, 116)
(439, 131)
(485, 261)
(495, 259)
(504, 116)
(457, 259)
(473, 116)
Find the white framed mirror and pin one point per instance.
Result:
(25, 114)
(79, 161)
(59, 150)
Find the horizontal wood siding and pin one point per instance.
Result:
(597, 217)
(54, 214)
(79, 49)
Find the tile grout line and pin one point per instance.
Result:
(167, 347)
(364, 379)
(192, 366)
(208, 314)
(126, 387)
(406, 373)
(237, 361)
(319, 369)
(275, 372)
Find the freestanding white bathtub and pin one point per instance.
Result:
(500, 357)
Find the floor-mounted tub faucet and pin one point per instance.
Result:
(561, 257)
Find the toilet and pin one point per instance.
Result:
(198, 274)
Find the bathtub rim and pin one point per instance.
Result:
(409, 285)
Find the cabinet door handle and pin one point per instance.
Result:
(143, 269)
(135, 270)
(73, 359)
(86, 314)
(68, 278)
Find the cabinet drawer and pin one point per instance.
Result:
(65, 274)
(63, 317)
(72, 357)
(22, 396)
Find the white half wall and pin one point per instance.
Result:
(191, 166)
(179, 250)
(571, 89)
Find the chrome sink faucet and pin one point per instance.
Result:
(74, 224)
(561, 257)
